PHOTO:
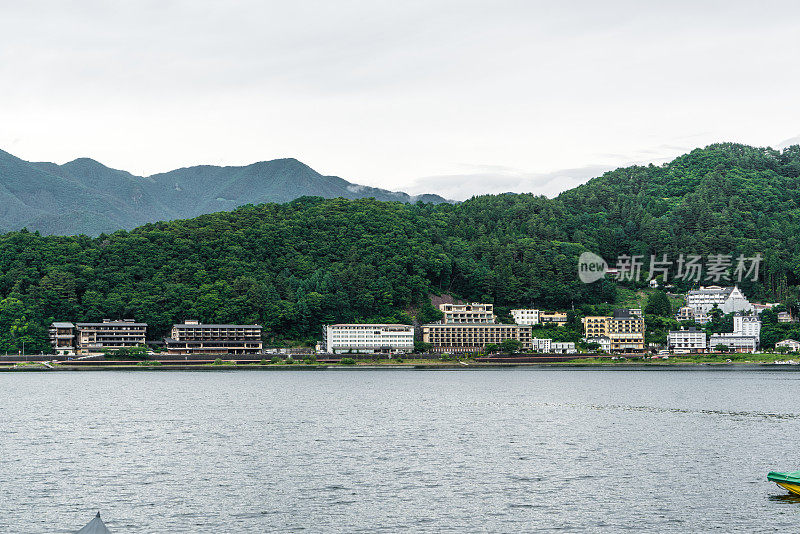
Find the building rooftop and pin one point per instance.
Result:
(712, 290)
(371, 324)
(111, 323)
(690, 329)
(58, 324)
(478, 324)
(173, 341)
(218, 325)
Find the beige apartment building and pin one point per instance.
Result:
(473, 337)
(624, 329)
(468, 313)
(194, 337)
(94, 338)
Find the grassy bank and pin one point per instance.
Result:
(733, 360)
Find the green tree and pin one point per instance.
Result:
(428, 314)
(19, 329)
(510, 345)
(421, 347)
(658, 304)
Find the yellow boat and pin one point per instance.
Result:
(788, 481)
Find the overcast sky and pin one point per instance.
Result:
(456, 98)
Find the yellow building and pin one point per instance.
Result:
(624, 329)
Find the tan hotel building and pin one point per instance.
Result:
(467, 313)
(624, 329)
(473, 337)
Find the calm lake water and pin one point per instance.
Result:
(391, 451)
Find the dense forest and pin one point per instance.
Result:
(293, 267)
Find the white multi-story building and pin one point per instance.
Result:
(566, 347)
(525, 316)
(547, 345)
(747, 325)
(369, 338)
(541, 344)
(727, 299)
(692, 340)
(604, 342)
(733, 341)
(745, 337)
(474, 313)
(794, 346)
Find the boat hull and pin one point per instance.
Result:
(792, 488)
(788, 481)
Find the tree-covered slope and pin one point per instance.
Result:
(293, 267)
(726, 198)
(86, 197)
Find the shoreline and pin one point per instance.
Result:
(571, 366)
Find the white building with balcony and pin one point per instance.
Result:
(541, 344)
(525, 316)
(687, 340)
(563, 347)
(369, 338)
(734, 342)
(791, 344)
(727, 299)
(747, 325)
(604, 342)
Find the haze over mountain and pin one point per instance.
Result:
(86, 197)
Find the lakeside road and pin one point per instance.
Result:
(448, 366)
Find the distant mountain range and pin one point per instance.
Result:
(86, 197)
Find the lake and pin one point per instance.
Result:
(350, 450)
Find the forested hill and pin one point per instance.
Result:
(293, 267)
(86, 197)
(726, 198)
